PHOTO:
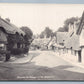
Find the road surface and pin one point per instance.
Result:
(43, 65)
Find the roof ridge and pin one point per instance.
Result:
(11, 27)
(80, 25)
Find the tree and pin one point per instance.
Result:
(71, 20)
(42, 34)
(47, 32)
(28, 37)
(66, 24)
(28, 32)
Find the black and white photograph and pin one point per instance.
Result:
(41, 42)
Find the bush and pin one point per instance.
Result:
(26, 50)
(17, 51)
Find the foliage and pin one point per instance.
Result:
(17, 51)
(71, 20)
(26, 50)
(66, 23)
(28, 36)
(47, 32)
(12, 39)
(28, 32)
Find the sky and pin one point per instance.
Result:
(39, 16)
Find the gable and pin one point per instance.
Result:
(72, 42)
(61, 37)
(81, 25)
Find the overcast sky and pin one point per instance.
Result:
(38, 16)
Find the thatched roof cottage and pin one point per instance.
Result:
(9, 31)
(80, 33)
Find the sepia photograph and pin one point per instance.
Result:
(41, 42)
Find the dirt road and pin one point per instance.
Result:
(43, 65)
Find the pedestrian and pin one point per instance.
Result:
(7, 56)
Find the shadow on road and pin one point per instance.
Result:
(64, 67)
(29, 71)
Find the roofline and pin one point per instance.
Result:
(2, 28)
(10, 24)
(80, 28)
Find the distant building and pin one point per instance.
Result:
(61, 37)
(40, 42)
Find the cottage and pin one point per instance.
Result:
(72, 42)
(51, 43)
(41, 42)
(80, 33)
(8, 33)
(72, 45)
(61, 37)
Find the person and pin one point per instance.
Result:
(7, 56)
(53, 47)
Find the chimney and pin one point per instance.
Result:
(7, 19)
(75, 26)
(71, 27)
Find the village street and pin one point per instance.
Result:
(40, 65)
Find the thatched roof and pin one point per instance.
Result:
(72, 42)
(80, 25)
(61, 36)
(9, 27)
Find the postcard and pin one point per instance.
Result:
(41, 42)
